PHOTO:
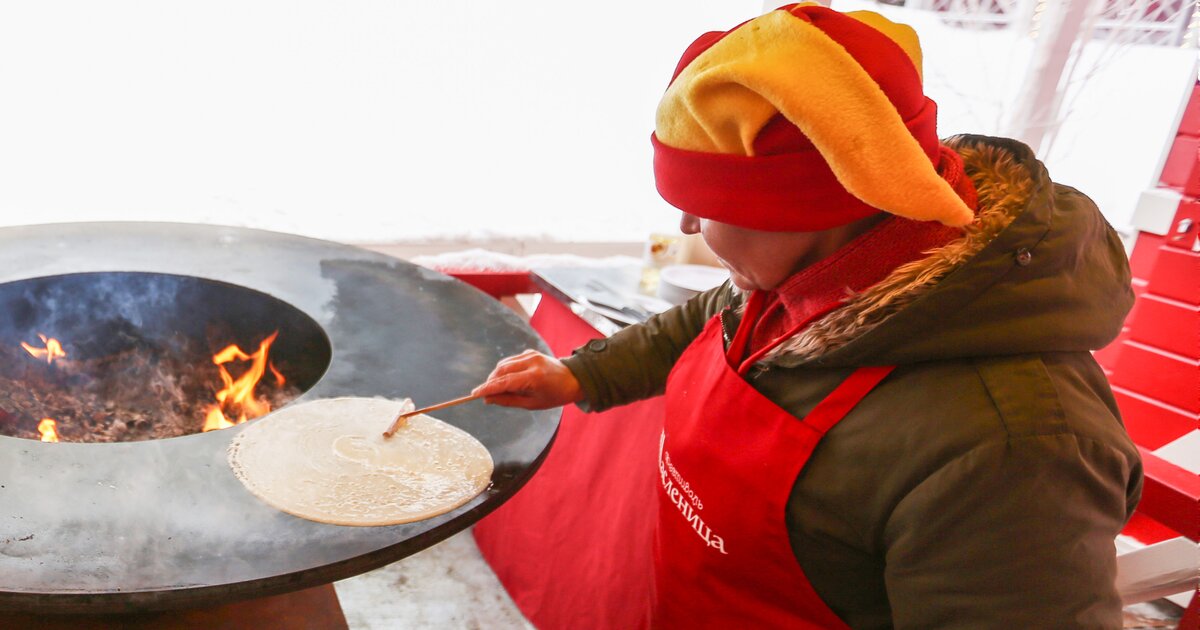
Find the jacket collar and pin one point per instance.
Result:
(1004, 187)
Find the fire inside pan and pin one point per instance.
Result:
(117, 356)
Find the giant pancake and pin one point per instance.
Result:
(327, 461)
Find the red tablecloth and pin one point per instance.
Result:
(573, 546)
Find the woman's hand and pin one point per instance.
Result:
(530, 380)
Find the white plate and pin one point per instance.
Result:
(678, 283)
(697, 278)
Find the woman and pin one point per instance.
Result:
(890, 417)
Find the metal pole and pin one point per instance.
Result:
(1034, 112)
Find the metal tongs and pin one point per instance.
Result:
(614, 300)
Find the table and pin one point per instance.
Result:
(573, 547)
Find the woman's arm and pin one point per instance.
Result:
(530, 380)
(631, 365)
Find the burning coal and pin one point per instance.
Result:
(142, 391)
(116, 357)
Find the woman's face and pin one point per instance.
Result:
(759, 260)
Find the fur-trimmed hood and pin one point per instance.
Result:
(1039, 271)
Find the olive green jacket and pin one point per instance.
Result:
(982, 484)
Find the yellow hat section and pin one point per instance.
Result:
(781, 63)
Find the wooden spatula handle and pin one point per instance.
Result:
(403, 417)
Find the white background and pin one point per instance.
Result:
(382, 121)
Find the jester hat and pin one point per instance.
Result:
(801, 120)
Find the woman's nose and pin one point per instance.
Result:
(689, 224)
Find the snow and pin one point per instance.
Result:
(384, 121)
(478, 259)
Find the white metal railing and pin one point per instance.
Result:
(978, 13)
(1159, 22)
(1156, 22)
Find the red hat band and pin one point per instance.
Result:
(783, 192)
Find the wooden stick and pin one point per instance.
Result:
(402, 419)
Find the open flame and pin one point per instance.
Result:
(236, 399)
(52, 350)
(47, 428)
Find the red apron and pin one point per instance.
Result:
(728, 458)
